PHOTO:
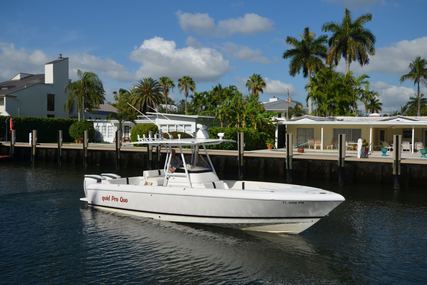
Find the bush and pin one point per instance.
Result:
(47, 128)
(77, 129)
(254, 139)
(142, 129)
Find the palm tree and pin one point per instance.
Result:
(87, 93)
(411, 107)
(306, 55)
(166, 84)
(350, 39)
(417, 73)
(186, 84)
(255, 85)
(374, 105)
(147, 93)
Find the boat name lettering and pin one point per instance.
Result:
(114, 199)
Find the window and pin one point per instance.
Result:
(351, 135)
(304, 135)
(2, 101)
(51, 102)
(382, 135)
(406, 134)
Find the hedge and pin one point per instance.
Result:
(77, 129)
(254, 139)
(142, 129)
(47, 128)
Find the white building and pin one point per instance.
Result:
(36, 95)
(176, 122)
(106, 130)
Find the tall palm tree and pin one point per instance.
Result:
(255, 85)
(185, 85)
(374, 105)
(166, 84)
(147, 93)
(306, 54)
(417, 73)
(87, 93)
(350, 39)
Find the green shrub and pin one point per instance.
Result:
(47, 128)
(142, 129)
(77, 129)
(254, 139)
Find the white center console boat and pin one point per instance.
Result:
(193, 193)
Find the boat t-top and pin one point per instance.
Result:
(188, 190)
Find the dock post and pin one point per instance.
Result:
(33, 145)
(12, 143)
(397, 142)
(85, 145)
(341, 158)
(118, 145)
(289, 157)
(59, 154)
(240, 150)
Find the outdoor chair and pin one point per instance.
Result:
(317, 144)
(419, 146)
(406, 146)
(310, 143)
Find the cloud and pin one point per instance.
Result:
(14, 60)
(159, 57)
(193, 42)
(102, 67)
(245, 53)
(248, 24)
(202, 23)
(278, 87)
(393, 97)
(197, 22)
(393, 59)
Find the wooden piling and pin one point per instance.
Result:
(118, 146)
(341, 158)
(241, 151)
(33, 145)
(289, 157)
(397, 150)
(85, 146)
(12, 143)
(59, 152)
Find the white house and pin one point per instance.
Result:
(36, 95)
(176, 122)
(106, 130)
(322, 132)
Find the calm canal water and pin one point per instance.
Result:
(47, 237)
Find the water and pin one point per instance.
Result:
(46, 236)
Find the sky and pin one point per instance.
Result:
(212, 41)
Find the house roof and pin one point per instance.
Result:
(278, 105)
(57, 60)
(106, 108)
(11, 86)
(357, 121)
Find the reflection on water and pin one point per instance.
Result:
(48, 237)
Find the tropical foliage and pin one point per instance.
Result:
(146, 95)
(413, 105)
(166, 84)
(255, 85)
(84, 94)
(418, 74)
(350, 40)
(185, 85)
(122, 100)
(77, 129)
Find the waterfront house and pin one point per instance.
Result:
(175, 122)
(322, 132)
(36, 95)
(105, 130)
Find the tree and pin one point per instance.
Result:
(306, 55)
(351, 40)
(374, 105)
(255, 85)
(417, 73)
(122, 100)
(166, 84)
(411, 107)
(185, 85)
(86, 93)
(146, 94)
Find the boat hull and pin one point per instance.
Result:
(243, 209)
